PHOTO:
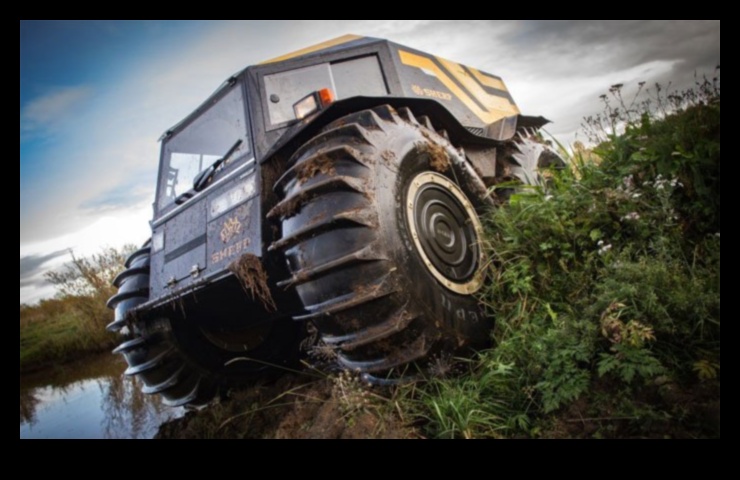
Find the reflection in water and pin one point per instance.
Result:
(28, 407)
(90, 399)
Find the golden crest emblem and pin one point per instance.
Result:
(232, 227)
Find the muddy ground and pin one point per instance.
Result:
(338, 406)
(297, 407)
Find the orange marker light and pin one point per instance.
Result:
(312, 103)
(326, 96)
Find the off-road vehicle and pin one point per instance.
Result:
(339, 186)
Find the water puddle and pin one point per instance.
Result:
(89, 400)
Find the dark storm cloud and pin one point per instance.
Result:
(31, 268)
(569, 47)
(625, 51)
(622, 43)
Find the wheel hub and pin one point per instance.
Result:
(446, 232)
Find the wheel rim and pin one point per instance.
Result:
(446, 232)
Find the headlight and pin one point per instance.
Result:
(234, 197)
(313, 102)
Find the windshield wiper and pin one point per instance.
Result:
(204, 178)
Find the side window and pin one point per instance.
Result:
(357, 77)
(204, 140)
(284, 89)
(360, 77)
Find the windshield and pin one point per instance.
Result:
(201, 143)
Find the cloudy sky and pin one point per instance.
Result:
(96, 95)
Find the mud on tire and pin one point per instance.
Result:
(180, 361)
(382, 242)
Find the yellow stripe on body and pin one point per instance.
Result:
(488, 81)
(496, 111)
(493, 103)
(314, 48)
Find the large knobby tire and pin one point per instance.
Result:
(383, 244)
(179, 360)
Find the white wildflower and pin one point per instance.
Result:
(604, 248)
(635, 196)
(634, 216)
(629, 182)
(663, 183)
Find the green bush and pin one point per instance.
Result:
(606, 287)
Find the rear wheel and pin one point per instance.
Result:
(182, 360)
(383, 243)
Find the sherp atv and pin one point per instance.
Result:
(340, 185)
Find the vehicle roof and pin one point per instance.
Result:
(334, 47)
(345, 42)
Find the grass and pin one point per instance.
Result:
(72, 325)
(297, 407)
(57, 333)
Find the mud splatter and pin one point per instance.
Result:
(438, 159)
(388, 157)
(364, 290)
(248, 269)
(286, 209)
(318, 218)
(320, 165)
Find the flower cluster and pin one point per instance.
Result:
(350, 392)
(633, 217)
(661, 183)
(628, 185)
(628, 188)
(604, 247)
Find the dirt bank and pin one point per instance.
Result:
(340, 407)
(297, 407)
